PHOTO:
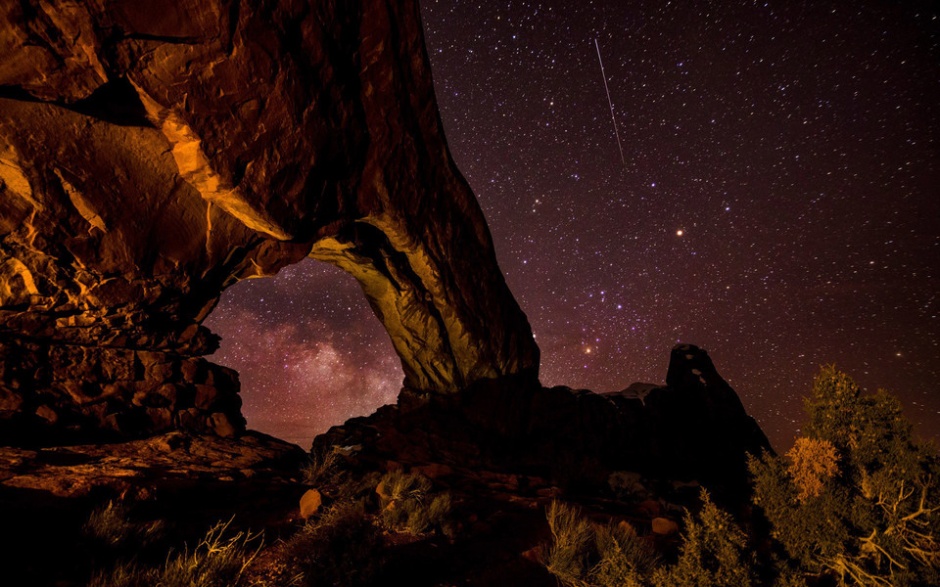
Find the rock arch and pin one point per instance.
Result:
(152, 155)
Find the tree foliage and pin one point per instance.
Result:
(856, 498)
(811, 464)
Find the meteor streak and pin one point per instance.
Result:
(610, 102)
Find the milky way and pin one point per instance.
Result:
(779, 205)
(309, 351)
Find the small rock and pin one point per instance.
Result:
(47, 414)
(664, 526)
(310, 503)
(650, 508)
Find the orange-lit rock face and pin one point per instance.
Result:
(153, 153)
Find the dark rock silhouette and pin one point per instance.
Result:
(152, 154)
(693, 428)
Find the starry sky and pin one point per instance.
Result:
(777, 203)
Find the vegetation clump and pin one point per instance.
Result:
(340, 548)
(582, 554)
(343, 546)
(714, 552)
(857, 498)
(320, 466)
(408, 504)
(112, 527)
(220, 558)
(855, 501)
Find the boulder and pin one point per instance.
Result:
(310, 503)
(664, 526)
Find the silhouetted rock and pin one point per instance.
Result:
(152, 154)
(695, 427)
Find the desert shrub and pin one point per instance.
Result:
(713, 553)
(340, 548)
(320, 466)
(112, 527)
(220, 558)
(627, 485)
(623, 558)
(582, 554)
(398, 486)
(857, 498)
(568, 556)
(408, 504)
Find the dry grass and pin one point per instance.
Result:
(320, 466)
(567, 556)
(408, 505)
(111, 526)
(220, 558)
(582, 554)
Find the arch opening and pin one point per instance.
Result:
(309, 351)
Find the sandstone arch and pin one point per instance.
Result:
(150, 156)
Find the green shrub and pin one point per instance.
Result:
(811, 530)
(714, 552)
(623, 557)
(399, 486)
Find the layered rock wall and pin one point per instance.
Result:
(152, 154)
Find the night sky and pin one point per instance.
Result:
(778, 206)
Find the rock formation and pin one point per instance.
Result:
(152, 154)
(693, 428)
